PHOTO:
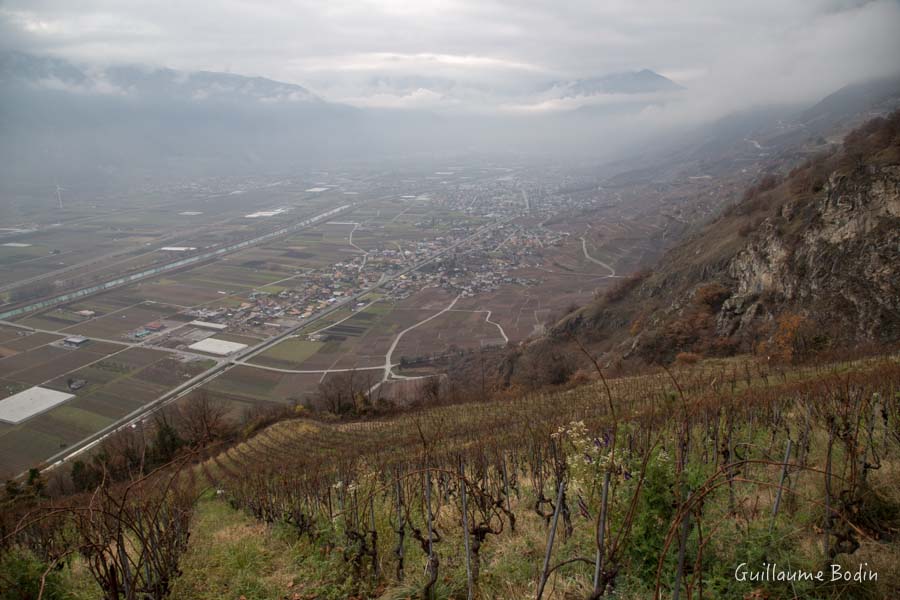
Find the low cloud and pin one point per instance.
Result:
(499, 55)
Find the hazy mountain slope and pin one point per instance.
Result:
(48, 73)
(86, 124)
(632, 82)
(79, 123)
(853, 101)
(816, 253)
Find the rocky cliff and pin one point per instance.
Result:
(838, 265)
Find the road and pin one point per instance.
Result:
(364, 252)
(612, 272)
(487, 319)
(314, 371)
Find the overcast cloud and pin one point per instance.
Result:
(481, 55)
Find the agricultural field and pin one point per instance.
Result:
(22, 341)
(19, 255)
(381, 234)
(356, 340)
(181, 290)
(88, 245)
(250, 386)
(455, 329)
(58, 248)
(290, 353)
(117, 380)
(117, 325)
(36, 359)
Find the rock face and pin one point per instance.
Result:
(837, 262)
(803, 263)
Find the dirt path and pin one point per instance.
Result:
(388, 365)
(612, 272)
(487, 319)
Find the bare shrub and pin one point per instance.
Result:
(687, 358)
(625, 286)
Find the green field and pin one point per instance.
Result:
(293, 350)
(11, 255)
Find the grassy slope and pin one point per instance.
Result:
(232, 555)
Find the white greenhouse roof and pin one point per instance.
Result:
(208, 325)
(218, 347)
(29, 403)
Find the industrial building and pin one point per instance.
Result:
(75, 341)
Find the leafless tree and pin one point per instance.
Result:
(202, 419)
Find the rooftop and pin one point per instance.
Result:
(29, 403)
(217, 347)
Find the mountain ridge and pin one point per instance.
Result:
(643, 81)
(53, 73)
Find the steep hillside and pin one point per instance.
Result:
(812, 256)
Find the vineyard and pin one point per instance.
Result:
(705, 481)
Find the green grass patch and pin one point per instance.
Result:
(81, 418)
(272, 289)
(231, 555)
(295, 350)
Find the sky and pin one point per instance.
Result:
(481, 55)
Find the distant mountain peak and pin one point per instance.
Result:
(644, 81)
(145, 81)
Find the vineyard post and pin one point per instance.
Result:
(506, 490)
(729, 471)
(803, 442)
(431, 562)
(826, 530)
(708, 438)
(601, 533)
(716, 439)
(465, 524)
(515, 474)
(784, 470)
(401, 529)
(550, 539)
(374, 533)
(682, 546)
(354, 499)
(870, 441)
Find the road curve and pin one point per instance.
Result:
(612, 272)
(388, 365)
